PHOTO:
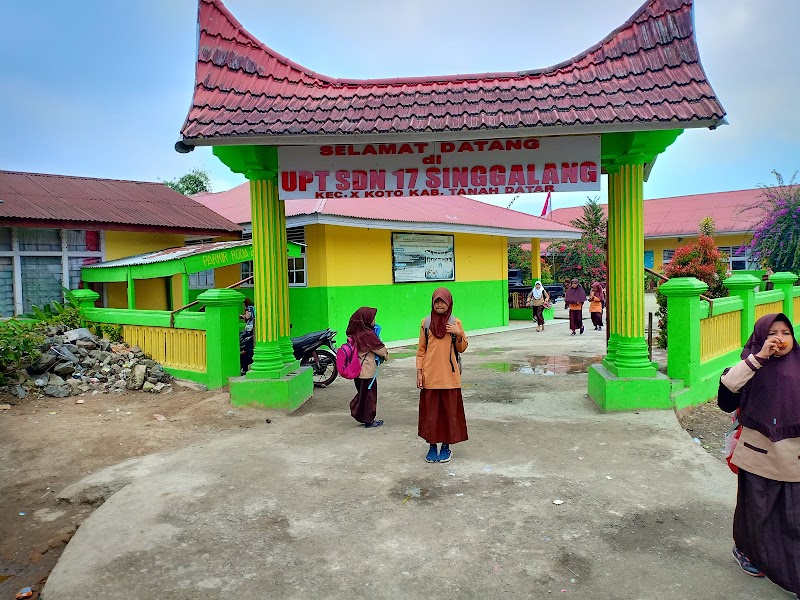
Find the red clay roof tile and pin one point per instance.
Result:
(647, 72)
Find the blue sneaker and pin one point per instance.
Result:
(433, 455)
(745, 564)
(375, 423)
(445, 454)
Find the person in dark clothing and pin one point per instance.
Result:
(575, 297)
(597, 301)
(765, 387)
(364, 405)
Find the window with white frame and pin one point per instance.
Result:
(36, 264)
(296, 265)
(666, 256)
(738, 257)
(202, 280)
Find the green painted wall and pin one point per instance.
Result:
(401, 307)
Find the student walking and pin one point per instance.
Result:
(441, 406)
(364, 405)
(537, 299)
(597, 300)
(575, 297)
(765, 387)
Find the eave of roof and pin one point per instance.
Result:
(42, 200)
(646, 75)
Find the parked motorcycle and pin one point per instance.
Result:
(309, 349)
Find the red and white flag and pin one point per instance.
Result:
(547, 209)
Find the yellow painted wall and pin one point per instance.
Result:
(658, 245)
(120, 244)
(228, 275)
(351, 256)
(150, 294)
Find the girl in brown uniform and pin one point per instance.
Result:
(441, 407)
(765, 386)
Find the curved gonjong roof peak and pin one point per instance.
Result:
(645, 75)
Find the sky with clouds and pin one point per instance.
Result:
(101, 89)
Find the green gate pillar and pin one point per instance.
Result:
(627, 379)
(275, 379)
(86, 299)
(744, 286)
(683, 326)
(222, 335)
(785, 282)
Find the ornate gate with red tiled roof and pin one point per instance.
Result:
(637, 89)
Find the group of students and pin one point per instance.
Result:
(764, 387)
(574, 297)
(442, 339)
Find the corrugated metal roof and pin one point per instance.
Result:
(84, 200)
(681, 215)
(158, 256)
(647, 73)
(453, 211)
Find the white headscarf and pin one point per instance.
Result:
(540, 290)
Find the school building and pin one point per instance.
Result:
(670, 223)
(53, 225)
(391, 254)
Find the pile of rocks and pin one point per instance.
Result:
(75, 362)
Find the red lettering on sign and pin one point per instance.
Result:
(532, 175)
(517, 176)
(550, 174)
(359, 180)
(497, 175)
(326, 150)
(465, 147)
(447, 147)
(387, 149)
(588, 172)
(405, 149)
(303, 179)
(569, 172)
(531, 144)
(322, 178)
(433, 177)
(478, 176)
(343, 179)
(289, 181)
(339, 150)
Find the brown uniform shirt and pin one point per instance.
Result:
(435, 359)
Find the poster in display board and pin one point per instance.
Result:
(418, 257)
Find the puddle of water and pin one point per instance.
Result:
(546, 365)
(562, 365)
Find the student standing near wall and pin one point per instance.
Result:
(441, 406)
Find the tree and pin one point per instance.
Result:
(520, 259)
(776, 237)
(700, 259)
(194, 182)
(584, 259)
(593, 223)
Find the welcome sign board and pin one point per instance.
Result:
(474, 167)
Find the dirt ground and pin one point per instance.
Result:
(50, 443)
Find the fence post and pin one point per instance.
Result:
(86, 299)
(222, 334)
(683, 326)
(744, 286)
(785, 282)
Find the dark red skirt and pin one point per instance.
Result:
(538, 315)
(575, 319)
(766, 527)
(441, 416)
(597, 319)
(364, 404)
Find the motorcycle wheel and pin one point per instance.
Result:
(324, 369)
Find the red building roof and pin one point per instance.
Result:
(453, 212)
(60, 201)
(681, 215)
(644, 75)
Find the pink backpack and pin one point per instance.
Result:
(347, 362)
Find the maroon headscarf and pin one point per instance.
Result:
(439, 322)
(360, 329)
(575, 295)
(774, 389)
(597, 291)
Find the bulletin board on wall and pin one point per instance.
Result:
(421, 257)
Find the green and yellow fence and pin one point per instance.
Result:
(704, 339)
(198, 346)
